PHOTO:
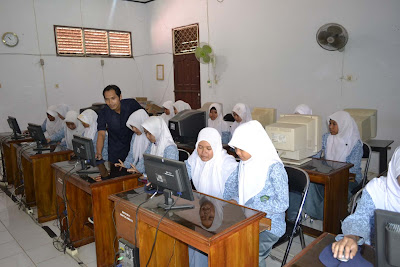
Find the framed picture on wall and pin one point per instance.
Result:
(160, 72)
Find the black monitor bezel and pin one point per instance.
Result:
(12, 122)
(87, 143)
(382, 218)
(36, 132)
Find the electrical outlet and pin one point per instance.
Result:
(29, 211)
(72, 251)
(56, 85)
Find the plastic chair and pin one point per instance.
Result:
(355, 199)
(366, 155)
(299, 182)
(229, 117)
(183, 154)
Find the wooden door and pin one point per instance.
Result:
(187, 79)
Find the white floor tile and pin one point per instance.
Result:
(9, 249)
(87, 253)
(2, 227)
(59, 261)
(91, 264)
(33, 239)
(5, 237)
(18, 260)
(43, 253)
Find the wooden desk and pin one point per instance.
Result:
(335, 177)
(87, 199)
(10, 170)
(234, 243)
(310, 255)
(381, 146)
(38, 178)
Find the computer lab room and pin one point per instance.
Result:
(199, 133)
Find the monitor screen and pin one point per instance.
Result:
(12, 122)
(186, 125)
(168, 175)
(84, 150)
(265, 116)
(366, 120)
(37, 134)
(296, 137)
(387, 238)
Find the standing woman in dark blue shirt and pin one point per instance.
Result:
(112, 118)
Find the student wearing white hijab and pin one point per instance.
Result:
(52, 125)
(180, 105)
(73, 126)
(161, 142)
(242, 114)
(88, 119)
(342, 143)
(62, 110)
(139, 142)
(217, 122)
(168, 111)
(303, 109)
(380, 193)
(262, 183)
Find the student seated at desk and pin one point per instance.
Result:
(217, 122)
(380, 193)
(73, 126)
(168, 111)
(342, 143)
(52, 125)
(262, 182)
(61, 110)
(181, 105)
(303, 109)
(242, 114)
(209, 167)
(88, 119)
(139, 142)
(161, 142)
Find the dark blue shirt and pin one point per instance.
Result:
(119, 136)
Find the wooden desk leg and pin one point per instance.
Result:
(335, 201)
(8, 165)
(28, 182)
(239, 249)
(163, 249)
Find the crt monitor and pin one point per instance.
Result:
(366, 120)
(84, 150)
(387, 238)
(36, 132)
(265, 116)
(172, 177)
(296, 137)
(186, 125)
(12, 122)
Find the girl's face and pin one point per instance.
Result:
(243, 155)
(85, 124)
(166, 111)
(60, 116)
(236, 117)
(71, 125)
(213, 114)
(175, 111)
(333, 127)
(136, 130)
(149, 136)
(51, 118)
(205, 151)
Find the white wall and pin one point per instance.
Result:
(24, 84)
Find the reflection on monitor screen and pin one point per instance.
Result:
(265, 116)
(387, 236)
(366, 120)
(296, 136)
(186, 125)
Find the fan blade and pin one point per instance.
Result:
(334, 29)
(322, 38)
(207, 49)
(340, 42)
(206, 58)
(197, 52)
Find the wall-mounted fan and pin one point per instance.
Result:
(332, 37)
(204, 53)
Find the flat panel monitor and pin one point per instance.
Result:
(186, 125)
(12, 122)
(296, 137)
(366, 120)
(36, 132)
(171, 176)
(84, 150)
(387, 238)
(265, 116)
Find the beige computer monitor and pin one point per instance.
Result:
(366, 120)
(296, 137)
(265, 116)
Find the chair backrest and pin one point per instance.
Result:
(183, 154)
(366, 155)
(229, 117)
(356, 197)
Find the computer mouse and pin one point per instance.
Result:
(343, 258)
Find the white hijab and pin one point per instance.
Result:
(252, 138)
(53, 127)
(303, 109)
(181, 105)
(157, 127)
(170, 106)
(62, 109)
(219, 213)
(210, 177)
(141, 142)
(89, 116)
(219, 124)
(244, 113)
(72, 116)
(385, 191)
(339, 146)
